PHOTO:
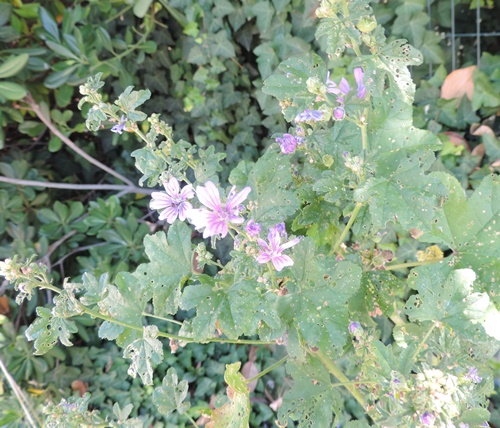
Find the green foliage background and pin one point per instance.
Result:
(204, 63)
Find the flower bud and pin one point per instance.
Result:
(339, 113)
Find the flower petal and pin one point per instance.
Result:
(172, 187)
(290, 243)
(234, 200)
(209, 196)
(282, 261)
(187, 192)
(344, 86)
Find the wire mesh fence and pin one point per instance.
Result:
(474, 29)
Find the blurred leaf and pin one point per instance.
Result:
(12, 91)
(13, 65)
(48, 23)
(171, 394)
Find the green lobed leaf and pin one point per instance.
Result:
(169, 267)
(129, 100)
(269, 180)
(171, 394)
(145, 353)
(401, 191)
(244, 308)
(125, 301)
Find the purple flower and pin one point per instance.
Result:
(173, 202)
(345, 154)
(281, 229)
(462, 425)
(354, 326)
(220, 215)
(252, 228)
(358, 76)
(119, 127)
(473, 375)
(427, 419)
(288, 143)
(309, 115)
(272, 252)
(339, 113)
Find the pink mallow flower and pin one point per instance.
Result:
(272, 252)
(173, 202)
(216, 220)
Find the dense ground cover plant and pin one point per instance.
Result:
(272, 250)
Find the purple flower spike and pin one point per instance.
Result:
(309, 116)
(173, 202)
(339, 113)
(288, 143)
(358, 76)
(428, 419)
(473, 375)
(119, 127)
(252, 228)
(272, 252)
(220, 215)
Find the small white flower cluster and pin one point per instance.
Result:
(439, 393)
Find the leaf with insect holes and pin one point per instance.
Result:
(401, 191)
(235, 413)
(244, 308)
(318, 293)
(447, 295)
(312, 400)
(145, 353)
(471, 228)
(47, 329)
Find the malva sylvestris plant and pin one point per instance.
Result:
(398, 341)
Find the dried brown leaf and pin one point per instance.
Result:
(459, 83)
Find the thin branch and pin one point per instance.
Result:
(46, 120)
(122, 188)
(20, 396)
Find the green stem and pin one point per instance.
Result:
(193, 422)
(421, 344)
(413, 264)
(364, 135)
(344, 380)
(266, 371)
(270, 268)
(96, 314)
(145, 314)
(348, 226)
